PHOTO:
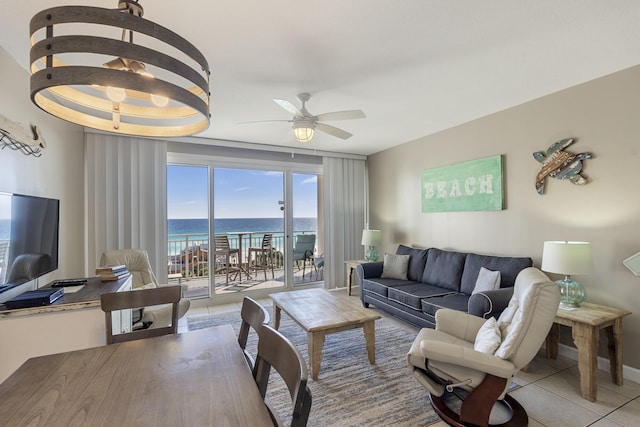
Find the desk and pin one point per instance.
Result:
(350, 265)
(586, 322)
(198, 378)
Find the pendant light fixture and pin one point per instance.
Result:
(158, 86)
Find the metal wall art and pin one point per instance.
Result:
(560, 164)
(13, 135)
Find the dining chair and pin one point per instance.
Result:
(275, 350)
(224, 253)
(139, 298)
(303, 250)
(142, 276)
(260, 258)
(253, 317)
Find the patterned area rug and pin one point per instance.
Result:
(349, 391)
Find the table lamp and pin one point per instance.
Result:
(371, 238)
(568, 258)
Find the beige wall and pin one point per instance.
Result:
(58, 173)
(604, 115)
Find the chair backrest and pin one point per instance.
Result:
(253, 316)
(274, 350)
(28, 266)
(527, 319)
(305, 242)
(221, 242)
(139, 298)
(266, 241)
(137, 262)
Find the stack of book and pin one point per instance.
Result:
(108, 273)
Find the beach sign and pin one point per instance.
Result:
(475, 185)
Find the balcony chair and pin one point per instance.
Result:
(253, 316)
(274, 350)
(475, 359)
(136, 299)
(224, 253)
(303, 250)
(137, 262)
(261, 258)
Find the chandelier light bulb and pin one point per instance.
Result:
(116, 94)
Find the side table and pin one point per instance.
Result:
(586, 322)
(349, 266)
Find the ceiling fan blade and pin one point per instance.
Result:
(265, 121)
(341, 115)
(287, 106)
(332, 130)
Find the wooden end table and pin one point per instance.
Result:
(321, 313)
(350, 265)
(586, 322)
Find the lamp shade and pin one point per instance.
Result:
(371, 237)
(567, 258)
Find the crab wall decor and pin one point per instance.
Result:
(560, 164)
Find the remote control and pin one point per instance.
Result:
(68, 282)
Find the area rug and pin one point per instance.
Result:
(349, 391)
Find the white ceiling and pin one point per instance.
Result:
(415, 67)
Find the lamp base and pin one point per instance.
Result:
(371, 254)
(571, 293)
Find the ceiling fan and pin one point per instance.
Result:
(305, 124)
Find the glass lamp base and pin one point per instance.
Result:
(571, 293)
(371, 254)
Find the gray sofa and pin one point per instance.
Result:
(435, 279)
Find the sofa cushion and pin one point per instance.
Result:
(411, 294)
(417, 260)
(454, 301)
(488, 280)
(395, 266)
(381, 286)
(444, 269)
(509, 267)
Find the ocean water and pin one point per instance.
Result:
(236, 225)
(196, 231)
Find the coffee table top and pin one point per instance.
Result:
(318, 309)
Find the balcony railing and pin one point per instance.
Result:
(188, 253)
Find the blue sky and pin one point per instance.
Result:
(239, 193)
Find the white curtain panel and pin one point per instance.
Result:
(344, 211)
(126, 197)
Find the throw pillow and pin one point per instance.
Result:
(395, 266)
(487, 280)
(488, 338)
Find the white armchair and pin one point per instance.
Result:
(476, 359)
(137, 262)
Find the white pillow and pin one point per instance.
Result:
(395, 266)
(488, 338)
(487, 280)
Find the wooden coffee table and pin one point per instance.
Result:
(320, 312)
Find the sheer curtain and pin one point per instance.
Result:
(344, 210)
(126, 202)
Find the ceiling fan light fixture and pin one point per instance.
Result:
(121, 95)
(303, 130)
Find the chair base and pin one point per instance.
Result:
(519, 417)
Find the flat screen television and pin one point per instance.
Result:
(28, 238)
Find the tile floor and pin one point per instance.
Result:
(549, 390)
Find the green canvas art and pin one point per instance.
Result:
(475, 185)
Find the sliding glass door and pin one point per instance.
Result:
(263, 233)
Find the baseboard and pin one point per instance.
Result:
(629, 373)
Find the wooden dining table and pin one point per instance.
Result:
(198, 378)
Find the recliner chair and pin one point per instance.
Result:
(137, 262)
(476, 359)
